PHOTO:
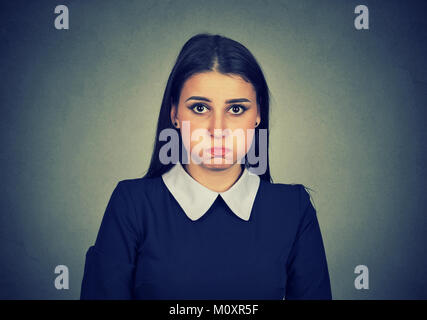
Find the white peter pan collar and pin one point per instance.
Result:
(196, 199)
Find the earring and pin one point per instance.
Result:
(256, 123)
(176, 123)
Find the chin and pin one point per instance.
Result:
(217, 166)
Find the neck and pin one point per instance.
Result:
(218, 180)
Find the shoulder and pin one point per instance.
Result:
(286, 191)
(138, 186)
(131, 196)
(292, 197)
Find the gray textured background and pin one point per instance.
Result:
(79, 108)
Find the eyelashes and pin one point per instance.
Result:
(241, 107)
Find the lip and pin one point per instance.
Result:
(218, 151)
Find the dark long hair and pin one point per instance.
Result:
(206, 52)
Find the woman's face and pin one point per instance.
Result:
(210, 101)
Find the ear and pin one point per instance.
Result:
(173, 116)
(258, 119)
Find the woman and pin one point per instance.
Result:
(206, 221)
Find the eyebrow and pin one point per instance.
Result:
(227, 101)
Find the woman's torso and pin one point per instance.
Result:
(218, 256)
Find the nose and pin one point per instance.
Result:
(218, 123)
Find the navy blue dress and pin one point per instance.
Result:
(147, 248)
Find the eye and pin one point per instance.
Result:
(238, 109)
(198, 108)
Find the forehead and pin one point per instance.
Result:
(217, 86)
